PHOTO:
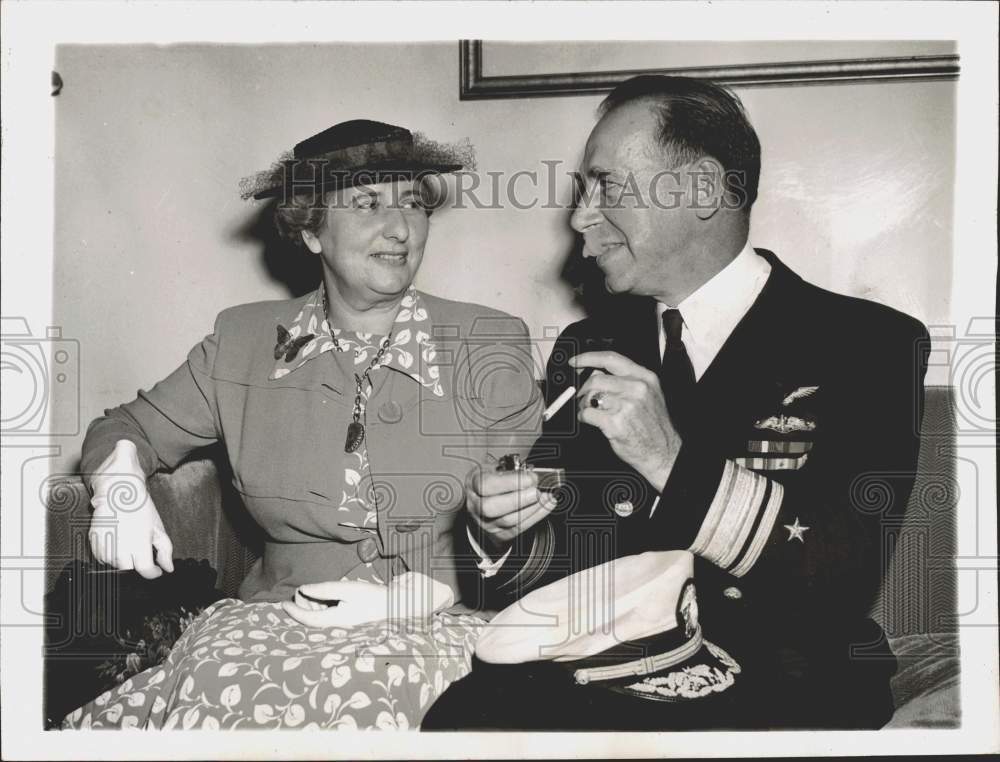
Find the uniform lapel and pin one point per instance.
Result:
(740, 380)
(632, 323)
(633, 329)
(758, 328)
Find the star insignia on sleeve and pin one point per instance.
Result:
(796, 531)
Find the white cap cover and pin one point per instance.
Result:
(587, 613)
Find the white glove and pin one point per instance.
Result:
(125, 527)
(408, 596)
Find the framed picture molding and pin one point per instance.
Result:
(475, 85)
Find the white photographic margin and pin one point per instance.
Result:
(31, 32)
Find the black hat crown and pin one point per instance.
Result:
(356, 132)
(356, 152)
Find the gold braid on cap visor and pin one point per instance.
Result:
(645, 666)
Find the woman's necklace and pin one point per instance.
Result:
(356, 429)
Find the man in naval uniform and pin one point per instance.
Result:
(765, 424)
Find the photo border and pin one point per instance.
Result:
(27, 224)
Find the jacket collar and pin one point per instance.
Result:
(634, 323)
(766, 319)
(411, 352)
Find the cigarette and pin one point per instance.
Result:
(566, 396)
(561, 400)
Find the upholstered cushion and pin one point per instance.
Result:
(918, 594)
(200, 512)
(926, 686)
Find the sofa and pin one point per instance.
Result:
(105, 626)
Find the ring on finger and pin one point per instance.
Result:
(599, 400)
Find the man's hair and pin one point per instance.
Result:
(698, 118)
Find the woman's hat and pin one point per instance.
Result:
(358, 152)
(630, 625)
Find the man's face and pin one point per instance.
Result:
(635, 214)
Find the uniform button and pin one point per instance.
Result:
(624, 508)
(390, 412)
(368, 550)
(733, 593)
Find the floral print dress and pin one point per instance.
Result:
(240, 665)
(248, 665)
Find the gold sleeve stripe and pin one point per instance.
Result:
(732, 514)
(539, 558)
(715, 510)
(544, 545)
(763, 531)
(730, 550)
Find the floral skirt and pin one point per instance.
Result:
(249, 665)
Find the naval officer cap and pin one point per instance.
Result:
(630, 625)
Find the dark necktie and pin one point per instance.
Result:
(676, 373)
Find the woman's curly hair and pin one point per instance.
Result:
(301, 213)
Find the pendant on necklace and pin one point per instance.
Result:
(355, 436)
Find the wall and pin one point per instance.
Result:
(152, 239)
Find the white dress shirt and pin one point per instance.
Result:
(713, 311)
(710, 315)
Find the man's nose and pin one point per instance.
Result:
(396, 226)
(585, 215)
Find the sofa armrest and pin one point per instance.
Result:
(926, 687)
(104, 626)
(918, 594)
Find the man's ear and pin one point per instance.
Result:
(708, 187)
(312, 242)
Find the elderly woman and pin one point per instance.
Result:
(350, 417)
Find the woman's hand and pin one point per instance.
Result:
(408, 596)
(505, 503)
(125, 527)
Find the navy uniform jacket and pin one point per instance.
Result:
(808, 417)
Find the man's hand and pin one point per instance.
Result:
(505, 503)
(125, 526)
(632, 414)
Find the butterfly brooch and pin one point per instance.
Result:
(288, 346)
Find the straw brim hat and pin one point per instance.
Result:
(358, 152)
